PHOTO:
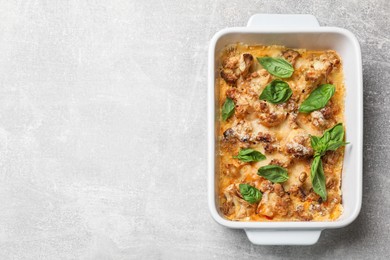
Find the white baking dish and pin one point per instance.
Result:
(294, 31)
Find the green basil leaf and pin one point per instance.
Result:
(276, 92)
(318, 178)
(227, 109)
(322, 146)
(250, 155)
(278, 67)
(318, 145)
(315, 142)
(273, 173)
(331, 140)
(336, 133)
(335, 145)
(318, 98)
(250, 193)
(326, 137)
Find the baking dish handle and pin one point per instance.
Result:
(283, 237)
(283, 20)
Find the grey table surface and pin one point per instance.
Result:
(103, 146)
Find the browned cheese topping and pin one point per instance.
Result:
(280, 132)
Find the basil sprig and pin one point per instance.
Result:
(278, 67)
(276, 92)
(318, 98)
(227, 109)
(274, 173)
(250, 193)
(318, 177)
(331, 140)
(250, 155)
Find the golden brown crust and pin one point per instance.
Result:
(291, 56)
(235, 66)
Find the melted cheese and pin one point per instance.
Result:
(281, 133)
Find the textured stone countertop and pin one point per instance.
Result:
(103, 145)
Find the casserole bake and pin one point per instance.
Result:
(268, 122)
(311, 37)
